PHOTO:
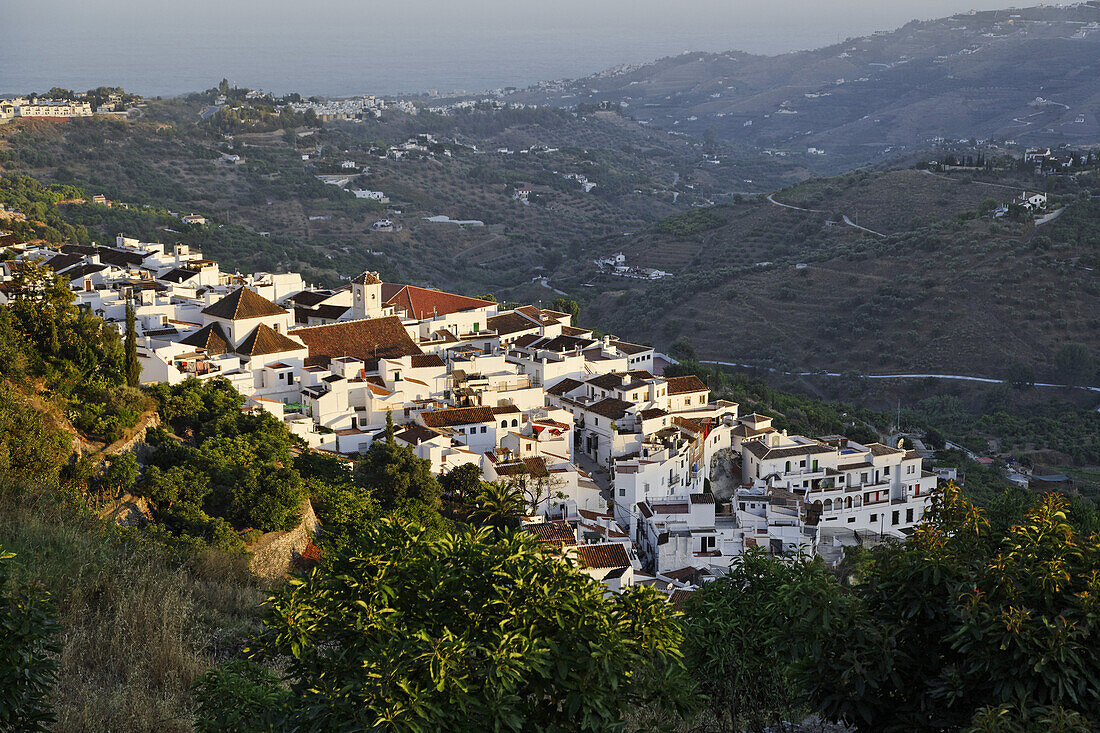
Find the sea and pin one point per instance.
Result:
(389, 47)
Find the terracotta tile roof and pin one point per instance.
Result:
(754, 418)
(629, 348)
(368, 341)
(575, 331)
(266, 340)
(652, 413)
(611, 555)
(243, 303)
(416, 434)
(911, 454)
(702, 498)
(535, 467)
(507, 323)
(688, 424)
(556, 534)
(211, 338)
(684, 385)
(565, 385)
(678, 596)
(115, 257)
(427, 360)
(81, 270)
(526, 340)
(591, 515)
(878, 449)
(611, 408)
(506, 410)
(677, 508)
(178, 275)
(421, 303)
(57, 263)
(457, 416)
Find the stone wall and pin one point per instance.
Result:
(273, 553)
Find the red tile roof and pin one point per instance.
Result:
(684, 385)
(243, 303)
(211, 338)
(421, 303)
(611, 555)
(369, 341)
(426, 360)
(265, 340)
(557, 534)
(457, 416)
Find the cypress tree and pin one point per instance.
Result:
(133, 369)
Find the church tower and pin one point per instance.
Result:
(366, 296)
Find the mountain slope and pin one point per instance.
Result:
(1029, 75)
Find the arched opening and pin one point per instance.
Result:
(848, 503)
(828, 505)
(515, 423)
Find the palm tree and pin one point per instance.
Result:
(498, 505)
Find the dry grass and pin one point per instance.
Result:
(140, 624)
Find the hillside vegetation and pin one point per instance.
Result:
(945, 291)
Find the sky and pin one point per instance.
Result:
(343, 47)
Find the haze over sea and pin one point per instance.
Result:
(345, 47)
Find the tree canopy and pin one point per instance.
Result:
(419, 634)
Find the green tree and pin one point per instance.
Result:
(394, 475)
(963, 616)
(464, 633)
(463, 483)
(727, 648)
(133, 367)
(28, 653)
(567, 305)
(499, 505)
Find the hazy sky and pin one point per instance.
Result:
(351, 46)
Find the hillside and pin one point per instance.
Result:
(1025, 75)
(271, 212)
(943, 292)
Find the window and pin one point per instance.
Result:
(874, 518)
(622, 492)
(863, 478)
(787, 467)
(895, 518)
(742, 504)
(397, 375)
(887, 471)
(504, 423)
(908, 516)
(802, 464)
(851, 520)
(482, 428)
(515, 423)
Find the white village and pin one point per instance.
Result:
(640, 478)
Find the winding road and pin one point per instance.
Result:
(959, 377)
(849, 222)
